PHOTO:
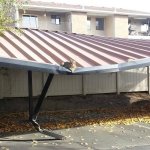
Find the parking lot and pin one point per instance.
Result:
(96, 137)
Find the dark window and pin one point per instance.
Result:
(55, 19)
(89, 23)
(99, 23)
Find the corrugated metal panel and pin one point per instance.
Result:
(56, 47)
(5, 82)
(100, 83)
(133, 80)
(13, 83)
(18, 83)
(66, 85)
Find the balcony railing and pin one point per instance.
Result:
(63, 26)
(138, 37)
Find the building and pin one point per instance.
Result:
(113, 22)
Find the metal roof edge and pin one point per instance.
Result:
(97, 69)
(115, 67)
(55, 69)
(34, 66)
(83, 8)
(134, 64)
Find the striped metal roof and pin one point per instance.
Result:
(57, 47)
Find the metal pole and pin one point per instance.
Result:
(42, 96)
(148, 80)
(30, 94)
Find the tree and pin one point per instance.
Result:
(7, 14)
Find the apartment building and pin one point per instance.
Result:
(113, 22)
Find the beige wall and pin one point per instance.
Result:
(109, 26)
(117, 26)
(79, 22)
(121, 26)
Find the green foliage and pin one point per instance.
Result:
(7, 14)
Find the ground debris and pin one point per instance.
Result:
(107, 116)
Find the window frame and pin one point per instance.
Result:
(100, 25)
(30, 24)
(56, 18)
(88, 23)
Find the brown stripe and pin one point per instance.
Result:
(42, 48)
(126, 45)
(96, 47)
(53, 47)
(7, 51)
(18, 48)
(85, 49)
(116, 48)
(90, 61)
(31, 48)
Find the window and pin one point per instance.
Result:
(99, 23)
(89, 23)
(55, 19)
(30, 21)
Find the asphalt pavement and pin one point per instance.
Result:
(93, 137)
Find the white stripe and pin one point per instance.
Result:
(12, 49)
(69, 53)
(87, 54)
(39, 50)
(49, 48)
(116, 52)
(24, 48)
(114, 59)
(3, 53)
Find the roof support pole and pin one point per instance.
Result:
(30, 94)
(148, 79)
(42, 96)
(117, 83)
(33, 113)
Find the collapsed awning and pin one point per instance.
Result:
(41, 50)
(36, 50)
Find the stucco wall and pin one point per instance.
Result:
(79, 21)
(109, 26)
(121, 26)
(117, 26)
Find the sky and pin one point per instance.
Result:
(141, 5)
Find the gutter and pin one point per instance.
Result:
(83, 9)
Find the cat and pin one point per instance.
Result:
(71, 65)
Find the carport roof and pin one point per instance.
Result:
(41, 48)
